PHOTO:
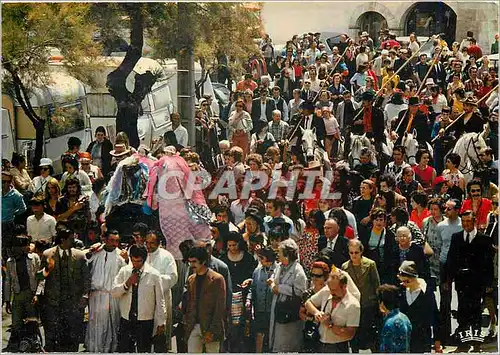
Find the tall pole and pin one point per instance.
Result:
(185, 68)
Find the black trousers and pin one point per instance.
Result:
(135, 334)
(335, 348)
(63, 328)
(469, 308)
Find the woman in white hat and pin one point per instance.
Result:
(39, 184)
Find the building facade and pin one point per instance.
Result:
(453, 18)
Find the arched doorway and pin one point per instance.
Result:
(428, 18)
(372, 22)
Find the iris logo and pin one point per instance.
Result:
(470, 334)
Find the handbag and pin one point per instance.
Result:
(287, 310)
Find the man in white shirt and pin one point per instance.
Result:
(138, 286)
(164, 262)
(105, 261)
(40, 226)
(181, 133)
(338, 312)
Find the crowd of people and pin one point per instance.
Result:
(340, 192)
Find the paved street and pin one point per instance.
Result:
(488, 347)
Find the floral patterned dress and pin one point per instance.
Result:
(308, 247)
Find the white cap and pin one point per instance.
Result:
(429, 81)
(384, 52)
(45, 162)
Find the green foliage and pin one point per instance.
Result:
(30, 31)
(220, 28)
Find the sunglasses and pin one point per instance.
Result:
(494, 203)
(316, 276)
(475, 190)
(84, 164)
(45, 168)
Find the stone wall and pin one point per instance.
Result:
(481, 17)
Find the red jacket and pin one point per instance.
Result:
(482, 212)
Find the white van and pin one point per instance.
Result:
(63, 104)
(156, 106)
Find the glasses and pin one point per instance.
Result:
(316, 276)
(475, 190)
(494, 203)
(45, 168)
(481, 155)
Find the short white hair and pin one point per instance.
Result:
(403, 230)
(277, 112)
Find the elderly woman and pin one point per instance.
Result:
(364, 273)
(289, 282)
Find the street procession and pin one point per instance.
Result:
(275, 177)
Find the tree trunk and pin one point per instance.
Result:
(23, 99)
(129, 103)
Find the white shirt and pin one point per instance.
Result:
(331, 242)
(441, 102)
(411, 296)
(151, 301)
(61, 253)
(472, 235)
(39, 184)
(308, 122)
(263, 111)
(163, 261)
(413, 46)
(44, 228)
(181, 134)
(238, 210)
(346, 314)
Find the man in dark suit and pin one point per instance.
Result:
(470, 265)
(370, 121)
(67, 284)
(306, 119)
(471, 121)
(338, 251)
(262, 107)
(307, 94)
(286, 85)
(411, 119)
(205, 311)
(438, 72)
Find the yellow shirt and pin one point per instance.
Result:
(395, 79)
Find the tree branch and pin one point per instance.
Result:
(22, 96)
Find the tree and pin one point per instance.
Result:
(223, 29)
(137, 16)
(29, 32)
